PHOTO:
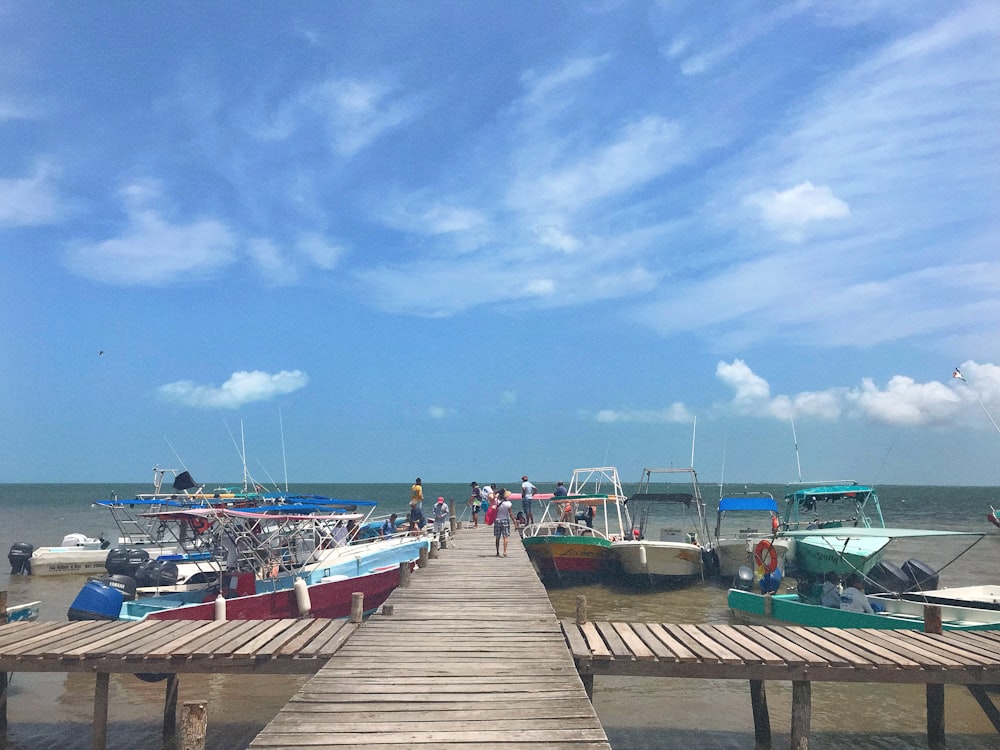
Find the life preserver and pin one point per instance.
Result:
(199, 525)
(765, 556)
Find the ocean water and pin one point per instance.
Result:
(55, 710)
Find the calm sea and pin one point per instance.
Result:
(55, 710)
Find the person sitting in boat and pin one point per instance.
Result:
(560, 490)
(388, 526)
(587, 516)
(567, 513)
(830, 596)
(853, 598)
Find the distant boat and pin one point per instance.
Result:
(571, 543)
(676, 556)
(834, 505)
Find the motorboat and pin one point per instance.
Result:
(672, 498)
(746, 535)
(571, 543)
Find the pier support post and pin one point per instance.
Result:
(99, 735)
(170, 706)
(404, 574)
(581, 610)
(801, 714)
(935, 693)
(357, 606)
(986, 703)
(761, 717)
(194, 725)
(424, 556)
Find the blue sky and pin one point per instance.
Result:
(470, 240)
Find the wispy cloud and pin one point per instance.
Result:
(676, 413)
(242, 388)
(440, 412)
(902, 401)
(152, 250)
(31, 200)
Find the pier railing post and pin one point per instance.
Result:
(357, 606)
(404, 574)
(194, 725)
(424, 557)
(581, 610)
(435, 546)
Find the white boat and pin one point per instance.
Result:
(750, 534)
(677, 555)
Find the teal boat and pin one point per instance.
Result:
(833, 505)
(900, 607)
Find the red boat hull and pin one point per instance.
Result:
(330, 600)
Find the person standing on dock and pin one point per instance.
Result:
(527, 495)
(417, 505)
(475, 502)
(501, 524)
(440, 516)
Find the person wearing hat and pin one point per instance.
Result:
(475, 503)
(527, 495)
(440, 515)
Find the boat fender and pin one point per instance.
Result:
(642, 555)
(774, 523)
(302, 597)
(220, 608)
(765, 556)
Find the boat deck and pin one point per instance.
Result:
(472, 655)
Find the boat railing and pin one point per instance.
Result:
(561, 528)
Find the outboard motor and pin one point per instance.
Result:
(744, 578)
(125, 561)
(920, 576)
(710, 562)
(125, 584)
(889, 577)
(96, 601)
(157, 572)
(19, 558)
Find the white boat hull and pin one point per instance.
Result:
(658, 561)
(734, 553)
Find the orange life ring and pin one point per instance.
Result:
(765, 556)
(199, 525)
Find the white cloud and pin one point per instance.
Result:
(440, 412)
(789, 211)
(320, 253)
(676, 413)
(31, 200)
(151, 250)
(241, 388)
(903, 401)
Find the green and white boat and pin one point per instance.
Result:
(833, 505)
(963, 608)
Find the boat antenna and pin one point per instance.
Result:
(281, 427)
(694, 431)
(179, 460)
(722, 474)
(243, 451)
(795, 440)
(958, 374)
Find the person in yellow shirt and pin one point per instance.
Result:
(417, 520)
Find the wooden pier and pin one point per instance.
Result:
(164, 649)
(798, 655)
(471, 656)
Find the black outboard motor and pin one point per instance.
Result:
(19, 558)
(157, 572)
(124, 584)
(125, 561)
(920, 575)
(889, 577)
